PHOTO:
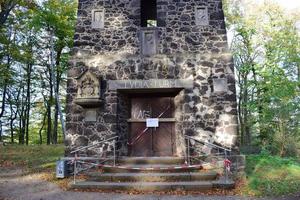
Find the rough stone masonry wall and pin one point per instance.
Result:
(185, 51)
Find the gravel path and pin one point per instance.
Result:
(32, 188)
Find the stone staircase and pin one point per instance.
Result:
(151, 174)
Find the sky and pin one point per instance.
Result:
(288, 4)
(293, 5)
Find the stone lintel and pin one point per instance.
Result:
(150, 84)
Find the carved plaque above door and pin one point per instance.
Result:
(149, 40)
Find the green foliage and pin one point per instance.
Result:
(58, 16)
(35, 137)
(271, 175)
(266, 50)
(24, 59)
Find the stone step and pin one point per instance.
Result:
(152, 177)
(150, 168)
(144, 186)
(151, 160)
(148, 165)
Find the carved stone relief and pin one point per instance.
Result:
(98, 19)
(88, 89)
(149, 42)
(201, 16)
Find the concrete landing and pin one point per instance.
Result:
(151, 168)
(145, 186)
(152, 177)
(151, 160)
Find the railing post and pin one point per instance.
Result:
(186, 153)
(189, 161)
(225, 167)
(114, 152)
(75, 168)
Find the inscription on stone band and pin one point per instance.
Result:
(149, 84)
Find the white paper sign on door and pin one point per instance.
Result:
(152, 123)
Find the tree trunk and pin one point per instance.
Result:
(282, 137)
(247, 134)
(2, 109)
(243, 109)
(259, 105)
(12, 119)
(1, 139)
(240, 116)
(58, 79)
(49, 106)
(299, 75)
(55, 86)
(6, 7)
(49, 120)
(3, 100)
(41, 129)
(22, 121)
(4, 97)
(11, 130)
(28, 101)
(55, 124)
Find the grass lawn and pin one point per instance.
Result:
(33, 158)
(271, 176)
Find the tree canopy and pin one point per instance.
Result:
(266, 50)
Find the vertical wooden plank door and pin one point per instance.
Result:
(155, 141)
(140, 109)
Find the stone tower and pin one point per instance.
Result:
(150, 72)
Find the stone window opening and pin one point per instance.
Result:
(148, 13)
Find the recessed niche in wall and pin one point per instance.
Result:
(201, 16)
(98, 18)
(149, 40)
(220, 85)
(90, 115)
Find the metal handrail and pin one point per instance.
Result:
(188, 161)
(76, 160)
(208, 143)
(93, 145)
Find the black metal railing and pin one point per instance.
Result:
(195, 153)
(91, 162)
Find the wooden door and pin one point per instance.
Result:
(152, 141)
(162, 137)
(140, 110)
